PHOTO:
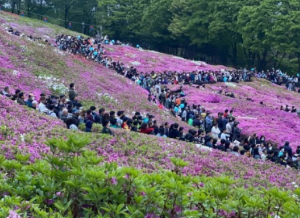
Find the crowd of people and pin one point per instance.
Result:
(291, 82)
(93, 49)
(221, 132)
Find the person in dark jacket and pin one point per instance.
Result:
(236, 132)
(174, 132)
(88, 126)
(210, 143)
(220, 122)
(105, 129)
(72, 92)
(166, 129)
(288, 149)
(21, 98)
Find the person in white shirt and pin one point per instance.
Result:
(224, 135)
(6, 92)
(229, 128)
(215, 131)
(35, 105)
(42, 106)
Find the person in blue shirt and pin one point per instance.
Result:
(30, 100)
(95, 54)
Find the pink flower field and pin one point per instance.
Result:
(278, 126)
(147, 61)
(26, 131)
(95, 84)
(39, 68)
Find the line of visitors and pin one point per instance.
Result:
(280, 78)
(92, 49)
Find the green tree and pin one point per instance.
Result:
(286, 30)
(255, 24)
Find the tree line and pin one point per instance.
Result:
(249, 33)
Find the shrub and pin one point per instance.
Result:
(74, 182)
(82, 127)
(97, 128)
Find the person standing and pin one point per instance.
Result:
(72, 93)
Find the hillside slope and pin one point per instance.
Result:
(37, 67)
(256, 106)
(51, 178)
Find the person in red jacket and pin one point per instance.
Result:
(145, 129)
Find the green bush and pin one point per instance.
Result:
(81, 126)
(97, 128)
(75, 182)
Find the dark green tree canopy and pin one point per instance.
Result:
(238, 33)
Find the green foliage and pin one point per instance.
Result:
(74, 182)
(97, 128)
(82, 126)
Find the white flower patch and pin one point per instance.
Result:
(41, 45)
(53, 83)
(199, 63)
(178, 57)
(16, 73)
(23, 48)
(250, 118)
(59, 52)
(107, 97)
(22, 136)
(153, 51)
(136, 63)
(230, 84)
